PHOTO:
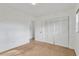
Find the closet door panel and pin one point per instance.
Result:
(49, 32)
(61, 30)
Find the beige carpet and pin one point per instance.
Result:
(37, 48)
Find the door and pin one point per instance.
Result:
(40, 31)
(43, 32)
(61, 33)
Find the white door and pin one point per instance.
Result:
(61, 33)
(44, 31)
(49, 32)
(40, 31)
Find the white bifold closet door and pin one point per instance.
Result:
(54, 31)
(61, 32)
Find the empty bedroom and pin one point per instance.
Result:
(41, 29)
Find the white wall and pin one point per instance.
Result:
(76, 41)
(14, 28)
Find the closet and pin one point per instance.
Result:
(54, 31)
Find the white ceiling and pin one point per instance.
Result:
(39, 9)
